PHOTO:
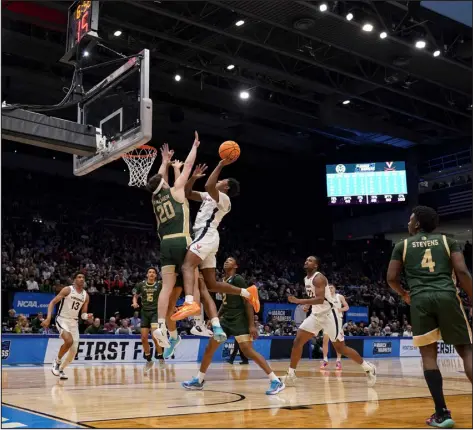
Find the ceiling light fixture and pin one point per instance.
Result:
(323, 7)
(383, 35)
(244, 95)
(349, 16)
(367, 27)
(86, 53)
(420, 44)
(436, 53)
(177, 78)
(117, 33)
(239, 23)
(346, 102)
(230, 66)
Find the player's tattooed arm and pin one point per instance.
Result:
(166, 156)
(199, 172)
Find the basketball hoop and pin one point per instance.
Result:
(139, 162)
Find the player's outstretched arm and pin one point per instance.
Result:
(199, 172)
(462, 273)
(166, 156)
(211, 184)
(180, 182)
(62, 294)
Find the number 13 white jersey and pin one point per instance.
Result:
(310, 290)
(70, 306)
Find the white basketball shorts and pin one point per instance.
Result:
(205, 246)
(69, 325)
(329, 323)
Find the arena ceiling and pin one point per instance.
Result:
(298, 64)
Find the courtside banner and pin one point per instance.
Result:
(224, 351)
(23, 349)
(381, 347)
(409, 350)
(31, 303)
(281, 311)
(357, 314)
(119, 349)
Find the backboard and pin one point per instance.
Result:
(120, 110)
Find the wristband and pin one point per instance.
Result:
(85, 316)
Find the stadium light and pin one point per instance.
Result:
(349, 16)
(86, 53)
(117, 33)
(383, 35)
(239, 23)
(244, 95)
(323, 7)
(230, 67)
(436, 53)
(177, 78)
(420, 44)
(367, 27)
(346, 102)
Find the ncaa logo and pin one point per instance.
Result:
(5, 349)
(340, 168)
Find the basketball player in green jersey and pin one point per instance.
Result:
(149, 292)
(237, 319)
(172, 214)
(436, 310)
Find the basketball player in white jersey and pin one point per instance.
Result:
(73, 300)
(323, 317)
(203, 250)
(341, 306)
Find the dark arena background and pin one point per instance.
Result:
(348, 115)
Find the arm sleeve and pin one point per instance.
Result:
(223, 202)
(398, 251)
(453, 245)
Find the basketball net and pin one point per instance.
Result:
(139, 162)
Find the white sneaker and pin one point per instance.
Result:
(290, 380)
(55, 368)
(62, 375)
(371, 374)
(162, 337)
(201, 330)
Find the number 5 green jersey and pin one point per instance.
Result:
(172, 217)
(426, 261)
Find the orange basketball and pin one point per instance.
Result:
(229, 149)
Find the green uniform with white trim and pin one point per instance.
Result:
(436, 309)
(234, 319)
(173, 230)
(149, 301)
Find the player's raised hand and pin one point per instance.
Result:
(199, 171)
(227, 161)
(177, 164)
(196, 139)
(166, 153)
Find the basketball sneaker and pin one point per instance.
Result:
(371, 374)
(323, 365)
(219, 334)
(161, 335)
(186, 311)
(338, 365)
(148, 366)
(275, 387)
(173, 343)
(193, 384)
(254, 298)
(201, 330)
(290, 380)
(62, 375)
(55, 367)
(443, 420)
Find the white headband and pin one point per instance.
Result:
(158, 188)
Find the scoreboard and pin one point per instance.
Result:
(366, 183)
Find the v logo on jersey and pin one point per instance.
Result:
(197, 247)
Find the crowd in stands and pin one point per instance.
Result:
(459, 180)
(46, 239)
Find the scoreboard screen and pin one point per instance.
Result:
(366, 183)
